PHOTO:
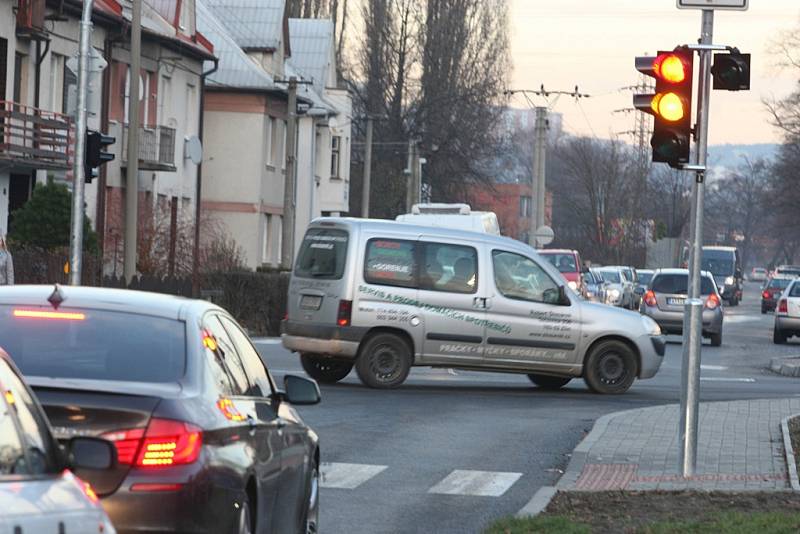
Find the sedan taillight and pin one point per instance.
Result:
(783, 306)
(766, 295)
(164, 443)
(650, 298)
(712, 302)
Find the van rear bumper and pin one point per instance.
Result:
(340, 341)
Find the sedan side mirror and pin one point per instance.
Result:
(91, 453)
(300, 390)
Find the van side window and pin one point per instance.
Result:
(390, 262)
(452, 268)
(520, 278)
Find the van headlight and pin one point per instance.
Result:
(572, 285)
(729, 281)
(650, 326)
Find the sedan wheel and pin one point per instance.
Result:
(312, 509)
(384, 361)
(610, 368)
(323, 369)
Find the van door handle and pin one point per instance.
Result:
(481, 302)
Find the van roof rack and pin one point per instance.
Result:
(441, 209)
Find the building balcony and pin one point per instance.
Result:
(156, 148)
(30, 19)
(32, 138)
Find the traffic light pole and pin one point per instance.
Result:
(76, 235)
(693, 318)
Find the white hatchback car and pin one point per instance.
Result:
(38, 493)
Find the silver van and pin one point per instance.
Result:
(384, 296)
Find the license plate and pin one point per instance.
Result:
(676, 301)
(310, 302)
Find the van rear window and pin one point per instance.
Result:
(322, 254)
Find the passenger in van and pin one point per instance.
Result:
(463, 279)
(433, 274)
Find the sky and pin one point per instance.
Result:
(592, 44)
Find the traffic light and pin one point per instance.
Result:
(671, 105)
(95, 155)
(731, 71)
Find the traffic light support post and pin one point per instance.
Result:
(76, 234)
(693, 316)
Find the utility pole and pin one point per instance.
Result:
(365, 191)
(411, 175)
(538, 177)
(287, 252)
(76, 236)
(132, 172)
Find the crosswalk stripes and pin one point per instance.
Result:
(477, 483)
(342, 475)
(347, 476)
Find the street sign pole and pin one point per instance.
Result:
(693, 317)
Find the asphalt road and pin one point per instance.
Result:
(450, 451)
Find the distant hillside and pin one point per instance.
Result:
(722, 158)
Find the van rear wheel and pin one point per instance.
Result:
(384, 361)
(549, 382)
(323, 369)
(610, 368)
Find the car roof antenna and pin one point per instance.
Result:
(56, 297)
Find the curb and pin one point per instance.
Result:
(581, 452)
(785, 366)
(791, 463)
(539, 502)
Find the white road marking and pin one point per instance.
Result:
(721, 379)
(347, 476)
(479, 483)
(266, 340)
(733, 319)
(713, 368)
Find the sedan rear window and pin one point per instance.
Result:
(93, 344)
(677, 284)
(779, 283)
(795, 291)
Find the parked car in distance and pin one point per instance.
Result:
(787, 314)
(725, 266)
(619, 291)
(568, 263)
(595, 286)
(38, 493)
(382, 297)
(772, 292)
(456, 216)
(788, 270)
(758, 274)
(206, 442)
(665, 299)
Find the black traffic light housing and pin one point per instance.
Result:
(731, 71)
(671, 105)
(96, 142)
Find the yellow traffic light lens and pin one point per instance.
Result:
(671, 68)
(669, 106)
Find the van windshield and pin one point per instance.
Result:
(322, 254)
(718, 266)
(565, 263)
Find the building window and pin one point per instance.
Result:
(269, 137)
(271, 242)
(336, 143)
(524, 206)
(285, 150)
(69, 91)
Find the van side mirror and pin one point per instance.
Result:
(563, 299)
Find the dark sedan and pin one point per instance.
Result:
(205, 440)
(772, 291)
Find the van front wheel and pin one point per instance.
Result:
(384, 361)
(610, 368)
(324, 370)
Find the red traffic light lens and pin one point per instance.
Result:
(668, 106)
(670, 67)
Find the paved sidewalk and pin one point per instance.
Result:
(740, 447)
